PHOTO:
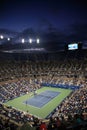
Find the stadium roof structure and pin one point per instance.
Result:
(29, 50)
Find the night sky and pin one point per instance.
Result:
(66, 18)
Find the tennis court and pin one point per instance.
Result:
(41, 99)
(48, 98)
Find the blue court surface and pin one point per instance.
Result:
(41, 99)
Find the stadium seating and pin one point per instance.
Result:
(20, 77)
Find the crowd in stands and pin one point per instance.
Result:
(19, 78)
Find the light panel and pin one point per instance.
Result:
(38, 40)
(23, 40)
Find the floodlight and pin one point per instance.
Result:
(1, 37)
(22, 40)
(30, 40)
(38, 40)
(8, 39)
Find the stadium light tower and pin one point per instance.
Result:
(1, 37)
(38, 40)
(8, 39)
(30, 40)
(23, 40)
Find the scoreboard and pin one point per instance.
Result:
(73, 46)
